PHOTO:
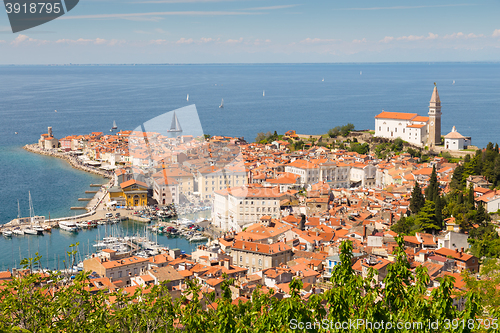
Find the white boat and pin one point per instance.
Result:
(184, 222)
(100, 244)
(30, 231)
(360, 73)
(18, 232)
(453, 81)
(221, 104)
(198, 238)
(323, 80)
(38, 229)
(114, 125)
(263, 93)
(187, 99)
(68, 226)
(7, 233)
(175, 126)
(82, 224)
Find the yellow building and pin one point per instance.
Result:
(135, 193)
(116, 196)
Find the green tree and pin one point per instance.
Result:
(426, 218)
(432, 190)
(405, 226)
(417, 199)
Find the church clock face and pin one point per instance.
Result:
(432, 123)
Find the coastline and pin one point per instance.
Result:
(73, 161)
(91, 207)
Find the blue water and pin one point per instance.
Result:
(53, 246)
(89, 98)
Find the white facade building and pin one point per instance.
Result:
(236, 207)
(455, 140)
(411, 127)
(408, 126)
(363, 175)
(308, 171)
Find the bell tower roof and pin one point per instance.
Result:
(435, 95)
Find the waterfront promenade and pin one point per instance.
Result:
(72, 160)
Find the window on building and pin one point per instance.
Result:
(387, 129)
(260, 262)
(119, 274)
(396, 129)
(403, 130)
(253, 261)
(247, 259)
(241, 259)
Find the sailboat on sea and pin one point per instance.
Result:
(221, 104)
(187, 99)
(114, 126)
(263, 93)
(323, 80)
(175, 126)
(453, 81)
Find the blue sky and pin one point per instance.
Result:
(255, 31)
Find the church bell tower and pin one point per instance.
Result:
(434, 136)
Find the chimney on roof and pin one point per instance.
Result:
(456, 250)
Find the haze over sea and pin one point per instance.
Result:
(89, 98)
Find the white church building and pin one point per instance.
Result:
(456, 141)
(411, 127)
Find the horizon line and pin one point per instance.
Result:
(257, 63)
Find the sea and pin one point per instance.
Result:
(308, 98)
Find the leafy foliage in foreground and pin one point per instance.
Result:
(26, 306)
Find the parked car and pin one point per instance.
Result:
(117, 215)
(109, 215)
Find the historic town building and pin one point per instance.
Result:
(456, 141)
(411, 127)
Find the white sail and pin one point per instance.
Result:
(175, 126)
(187, 99)
(114, 125)
(323, 80)
(263, 93)
(222, 103)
